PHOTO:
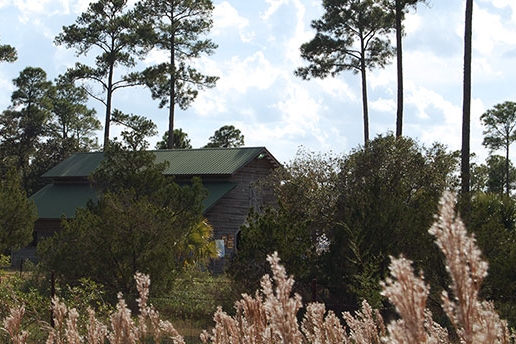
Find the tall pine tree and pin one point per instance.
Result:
(351, 35)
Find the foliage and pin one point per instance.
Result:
(176, 27)
(388, 192)
(110, 29)
(45, 124)
(272, 314)
(73, 122)
(274, 229)
(137, 129)
(17, 214)
(181, 140)
(24, 124)
(351, 35)
(295, 225)
(500, 132)
(7, 53)
(491, 176)
(493, 221)
(142, 217)
(195, 295)
(226, 137)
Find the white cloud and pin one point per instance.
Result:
(31, 9)
(503, 4)
(412, 23)
(5, 3)
(156, 56)
(425, 99)
(385, 77)
(301, 35)
(252, 72)
(226, 17)
(337, 88)
(423, 67)
(384, 105)
(299, 111)
(274, 5)
(491, 32)
(6, 88)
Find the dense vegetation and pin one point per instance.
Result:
(336, 222)
(272, 314)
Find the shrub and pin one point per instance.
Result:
(271, 315)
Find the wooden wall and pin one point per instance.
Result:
(230, 213)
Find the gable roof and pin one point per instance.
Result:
(56, 200)
(182, 162)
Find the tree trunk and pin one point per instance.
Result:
(172, 99)
(507, 168)
(365, 109)
(399, 60)
(466, 107)
(109, 97)
(171, 105)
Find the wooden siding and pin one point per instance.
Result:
(230, 213)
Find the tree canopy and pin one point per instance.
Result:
(143, 222)
(7, 53)
(295, 225)
(111, 30)
(351, 35)
(45, 123)
(500, 132)
(181, 140)
(177, 27)
(227, 136)
(17, 213)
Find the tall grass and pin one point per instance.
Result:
(271, 314)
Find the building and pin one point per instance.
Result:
(228, 174)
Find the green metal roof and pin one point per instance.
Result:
(188, 162)
(77, 165)
(216, 190)
(56, 200)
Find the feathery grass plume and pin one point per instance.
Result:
(364, 326)
(408, 294)
(123, 328)
(251, 317)
(269, 317)
(226, 330)
(96, 331)
(149, 321)
(72, 328)
(281, 307)
(319, 328)
(12, 324)
(475, 321)
(58, 333)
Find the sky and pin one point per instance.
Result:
(258, 51)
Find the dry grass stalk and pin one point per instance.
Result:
(12, 324)
(59, 333)
(319, 328)
(474, 320)
(366, 326)
(271, 315)
(96, 331)
(149, 321)
(408, 294)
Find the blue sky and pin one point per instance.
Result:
(258, 93)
